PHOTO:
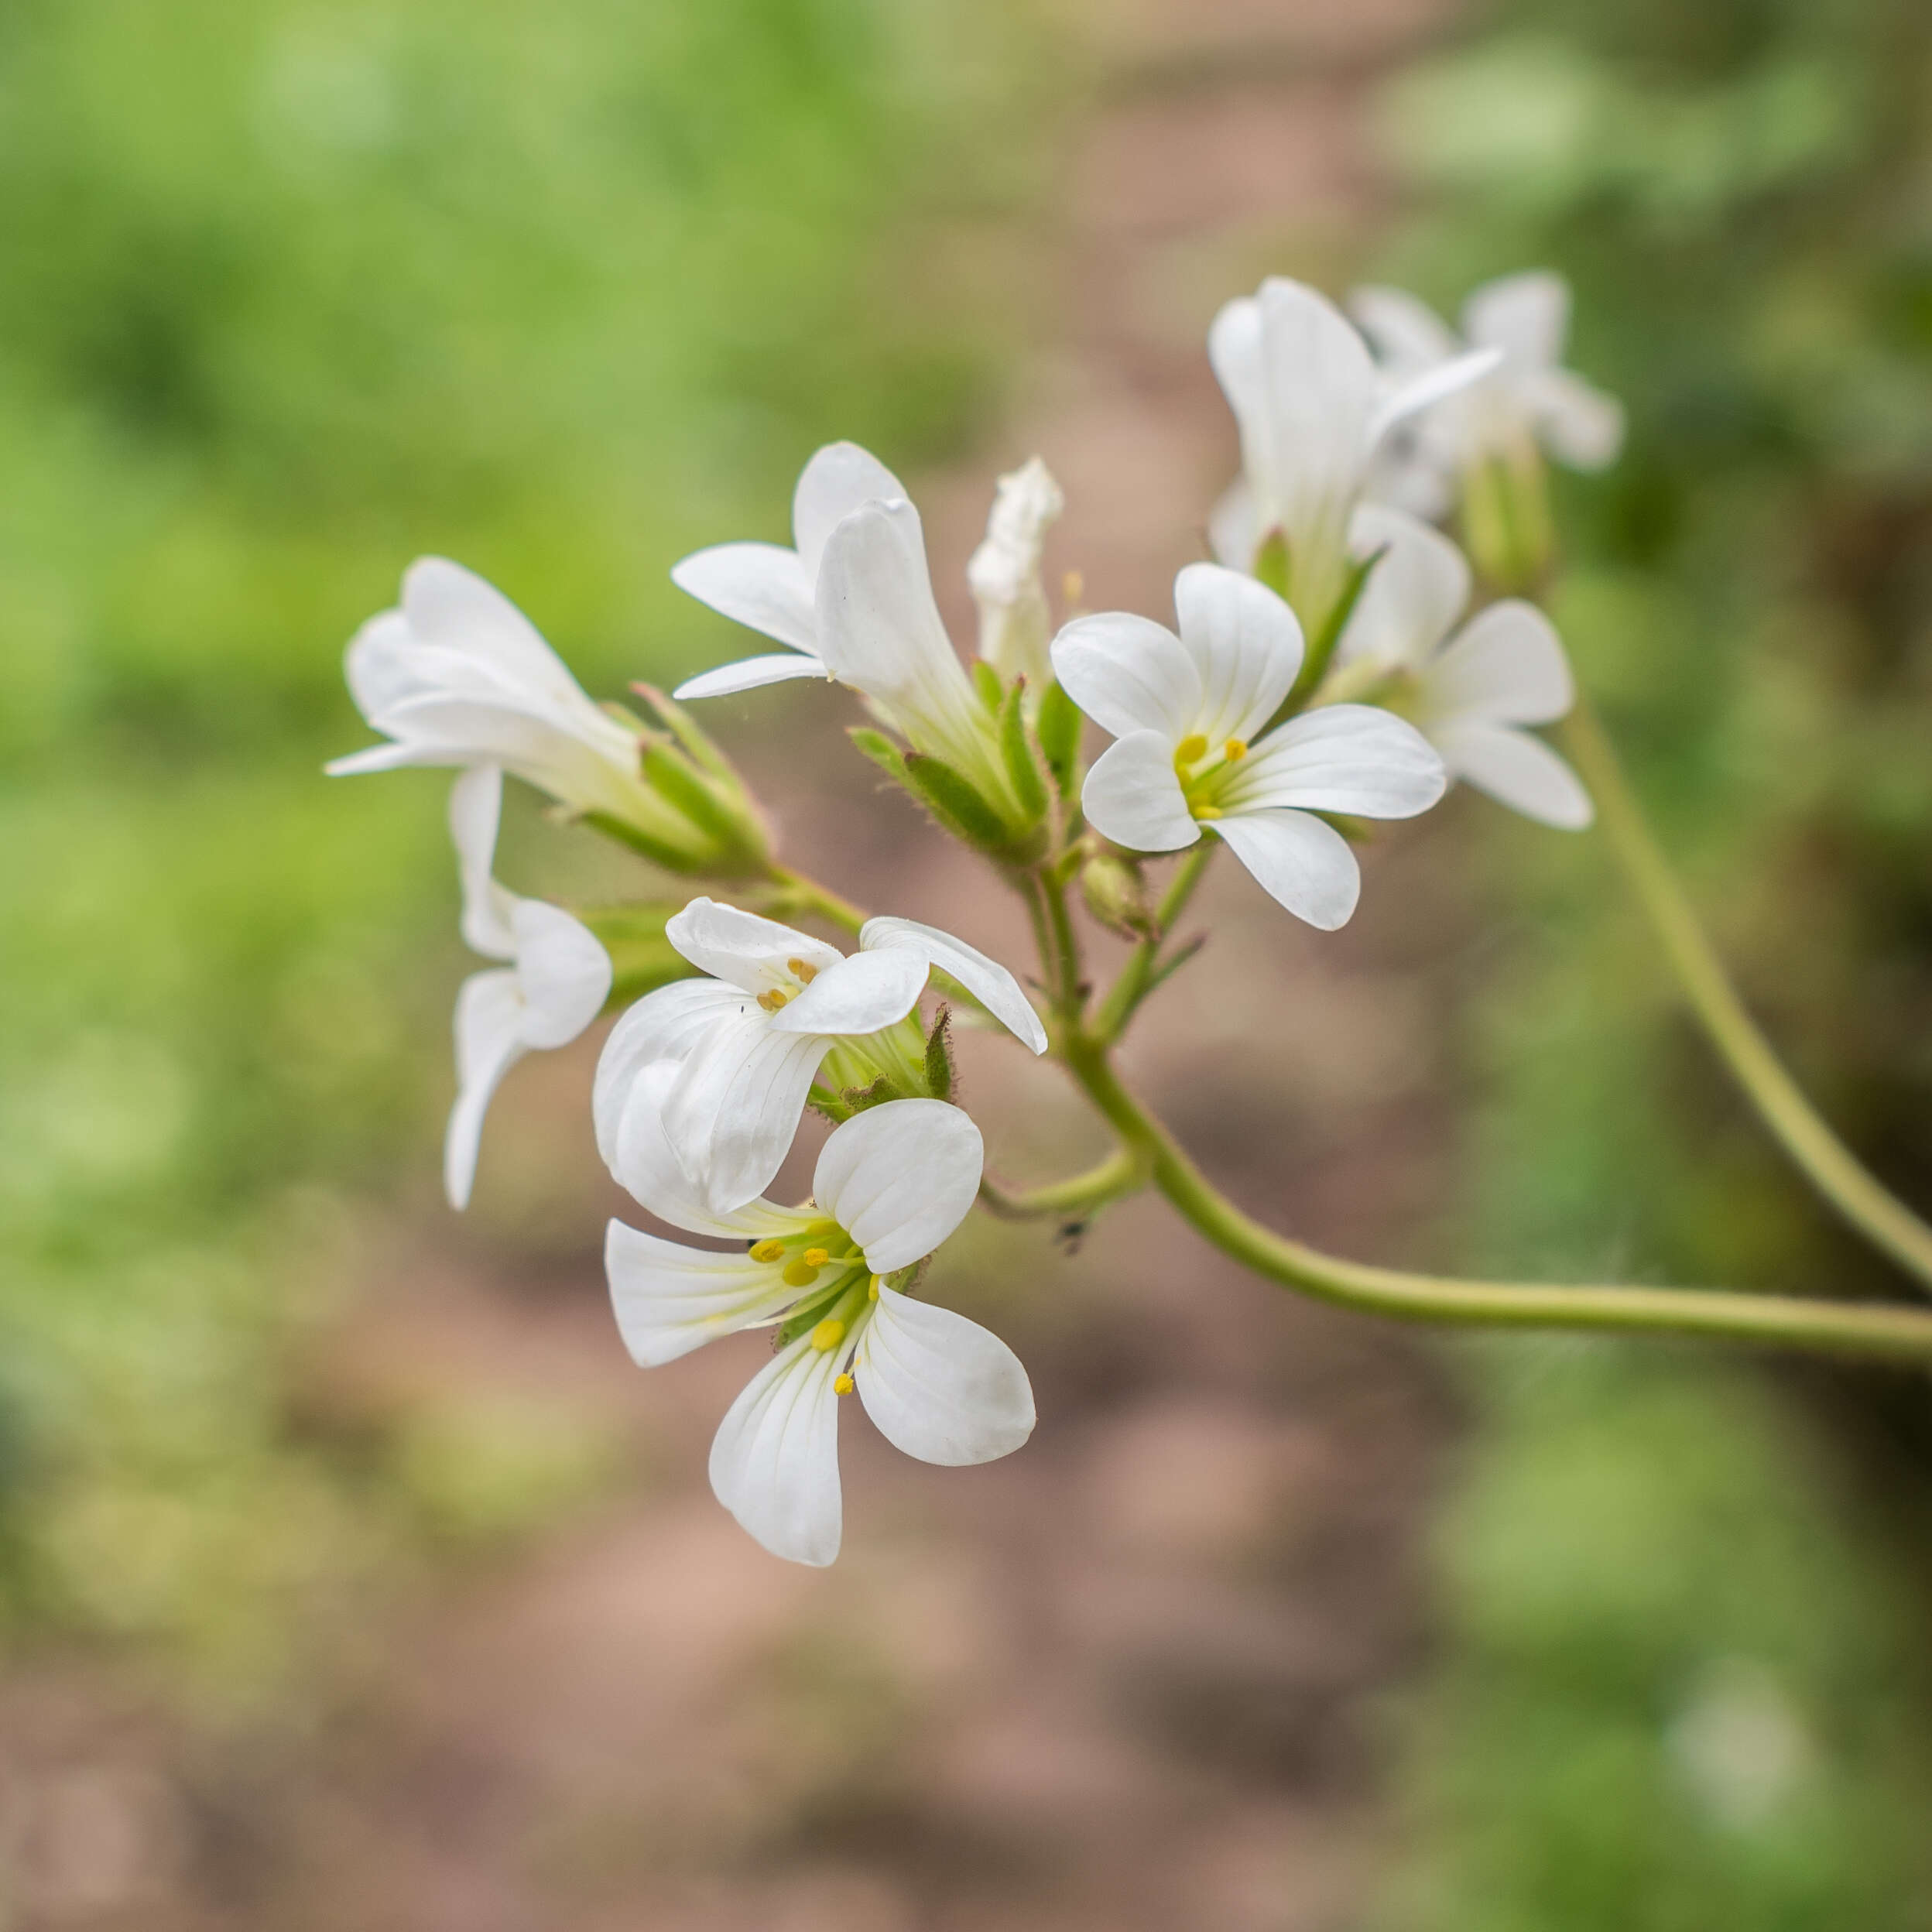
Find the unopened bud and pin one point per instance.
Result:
(1112, 886)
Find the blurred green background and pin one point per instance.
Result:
(292, 291)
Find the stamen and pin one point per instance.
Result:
(801, 970)
(1191, 748)
(775, 998)
(815, 1257)
(799, 1273)
(828, 1334)
(872, 1292)
(843, 1385)
(768, 1251)
(1208, 811)
(1235, 750)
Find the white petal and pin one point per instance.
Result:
(1132, 796)
(775, 1459)
(862, 994)
(880, 630)
(1413, 595)
(748, 951)
(449, 606)
(1322, 390)
(1406, 332)
(735, 1105)
(940, 1387)
(1432, 386)
(489, 1042)
(1298, 860)
(381, 758)
(1343, 758)
(1506, 665)
(667, 1024)
(669, 1299)
(380, 665)
(646, 1164)
(476, 805)
(564, 972)
(750, 674)
(988, 981)
(1517, 770)
(1234, 526)
(1246, 645)
(762, 585)
(900, 1178)
(1128, 673)
(1577, 422)
(1235, 352)
(1526, 316)
(839, 478)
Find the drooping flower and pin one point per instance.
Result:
(1528, 401)
(457, 675)
(892, 1183)
(1188, 714)
(554, 984)
(1470, 691)
(1312, 410)
(749, 1037)
(854, 600)
(1004, 574)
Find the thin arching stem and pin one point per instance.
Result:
(1830, 1167)
(1123, 1172)
(1874, 1331)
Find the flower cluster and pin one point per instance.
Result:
(1322, 672)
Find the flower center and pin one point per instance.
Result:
(803, 973)
(1203, 770)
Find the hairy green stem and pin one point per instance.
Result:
(1874, 1331)
(1137, 978)
(1830, 1167)
(802, 897)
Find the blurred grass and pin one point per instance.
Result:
(1683, 1683)
(289, 292)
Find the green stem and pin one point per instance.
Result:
(1865, 1329)
(802, 897)
(1123, 1172)
(1136, 978)
(1877, 1214)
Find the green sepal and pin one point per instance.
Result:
(986, 682)
(642, 958)
(952, 799)
(686, 729)
(857, 1099)
(822, 1100)
(1271, 563)
(939, 1056)
(880, 749)
(1321, 648)
(1058, 726)
(1115, 894)
(676, 779)
(1016, 752)
(673, 858)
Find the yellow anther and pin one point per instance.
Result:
(799, 1274)
(828, 1334)
(771, 1000)
(872, 1292)
(815, 1257)
(1235, 750)
(769, 1251)
(802, 970)
(1206, 811)
(843, 1385)
(1191, 747)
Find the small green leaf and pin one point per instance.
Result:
(986, 682)
(952, 799)
(880, 748)
(1016, 750)
(939, 1056)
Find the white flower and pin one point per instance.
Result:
(749, 1038)
(555, 985)
(1312, 410)
(854, 600)
(1529, 399)
(1185, 711)
(458, 675)
(892, 1183)
(1004, 574)
(1469, 694)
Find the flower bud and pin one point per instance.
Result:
(1115, 894)
(1506, 524)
